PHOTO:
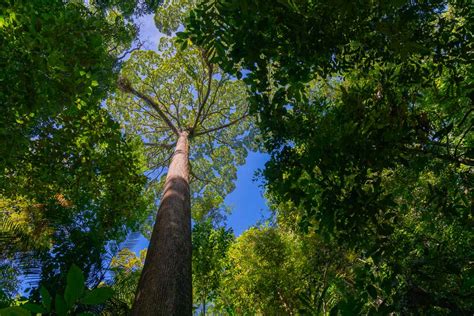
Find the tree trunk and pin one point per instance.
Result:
(165, 286)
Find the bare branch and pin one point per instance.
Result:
(177, 104)
(219, 85)
(168, 111)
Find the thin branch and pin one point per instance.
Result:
(200, 179)
(176, 106)
(127, 52)
(125, 86)
(208, 92)
(145, 110)
(462, 138)
(161, 103)
(465, 117)
(447, 157)
(166, 146)
(219, 85)
(222, 126)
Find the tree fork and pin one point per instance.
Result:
(165, 282)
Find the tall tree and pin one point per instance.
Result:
(185, 110)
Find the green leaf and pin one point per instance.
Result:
(46, 298)
(14, 311)
(94, 83)
(34, 308)
(60, 306)
(184, 45)
(372, 291)
(98, 296)
(74, 286)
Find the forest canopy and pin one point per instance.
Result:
(364, 108)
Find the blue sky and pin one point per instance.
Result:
(246, 201)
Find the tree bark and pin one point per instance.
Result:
(165, 286)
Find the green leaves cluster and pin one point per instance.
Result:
(54, 55)
(194, 96)
(366, 109)
(70, 181)
(210, 246)
(71, 303)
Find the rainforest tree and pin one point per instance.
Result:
(194, 121)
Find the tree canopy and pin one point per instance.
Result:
(365, 108)
(176, 90)
(71, 182)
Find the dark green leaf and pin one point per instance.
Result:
(46, 298)
(14, 311)
(372, 291)
(98, 296)
(60, 306)
(74, 286)
(34, 308)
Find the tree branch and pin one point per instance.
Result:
(126, 86)
(208, 92)
(166, 146)
(465, 117)
(222, 126)
(200, 179)
(129, 51)
(176, 106)
(460, 140)
(219, 85)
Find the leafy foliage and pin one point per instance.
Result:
(71, 181)
(126, 267)
(210, 245)
(74, 301)
(366, 109)
(54, 56)
(194, 96)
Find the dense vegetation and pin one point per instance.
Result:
(365, 108)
